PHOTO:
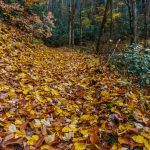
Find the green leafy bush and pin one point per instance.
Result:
(59, 35)
(136, 59)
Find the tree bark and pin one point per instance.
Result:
(145, 22)
(102, 26)
(72, 22)
(111, 19)
(69, 24)
(132, 8)
(81, 28)
(134, 23)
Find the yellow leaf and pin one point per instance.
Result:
(91, 119)
(105, 94)
(140, 139)
(84, 132)
(18, 122)
(30, 87)
(146, 135)
(125, 126)
(22, 75)
(46, 89)
(33, 140)
(32, 112)
(119, 103)
(45, 147)
(86, 118)
(147, 144)
(49, 80)
(79, 139)
(58, 110)
(20, 134)
(67, 129)
(35, 137)
(25, 91)
(1, 125)
(80, 146)
(114, 147)
(57, 127)
(12, 94)
(54, 92)
(133, 96)
(103, 126)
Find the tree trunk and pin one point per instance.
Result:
(69, 24)
(132, 8)
(145, 22)
(111, 19)
(134, 23)
(81, 28)
(102, 26)
(72, 22)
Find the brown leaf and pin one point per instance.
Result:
(94, 137)
(39, 142)
(0, 140)
(44, 130)
(148, 123)
(27, 148)
(133, 130)
(15, 141)
(124, 140)
(53, 148)
(132, 104)
(6, 148)
(23, 126)
(7, 138)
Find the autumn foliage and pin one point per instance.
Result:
(67, 99)
(56, 99)
(18, 15)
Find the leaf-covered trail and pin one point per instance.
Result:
(53, 99)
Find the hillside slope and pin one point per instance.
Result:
(53, 99)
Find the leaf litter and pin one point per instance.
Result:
(54, 99)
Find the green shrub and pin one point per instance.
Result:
(59, 35)
(136, 59)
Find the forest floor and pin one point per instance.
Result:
(53, 99)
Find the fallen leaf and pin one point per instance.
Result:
(39, 143)
(32, 140)
(49, 138)
(80, 146)
(140, 139)
(94, 137)
(12, 128)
